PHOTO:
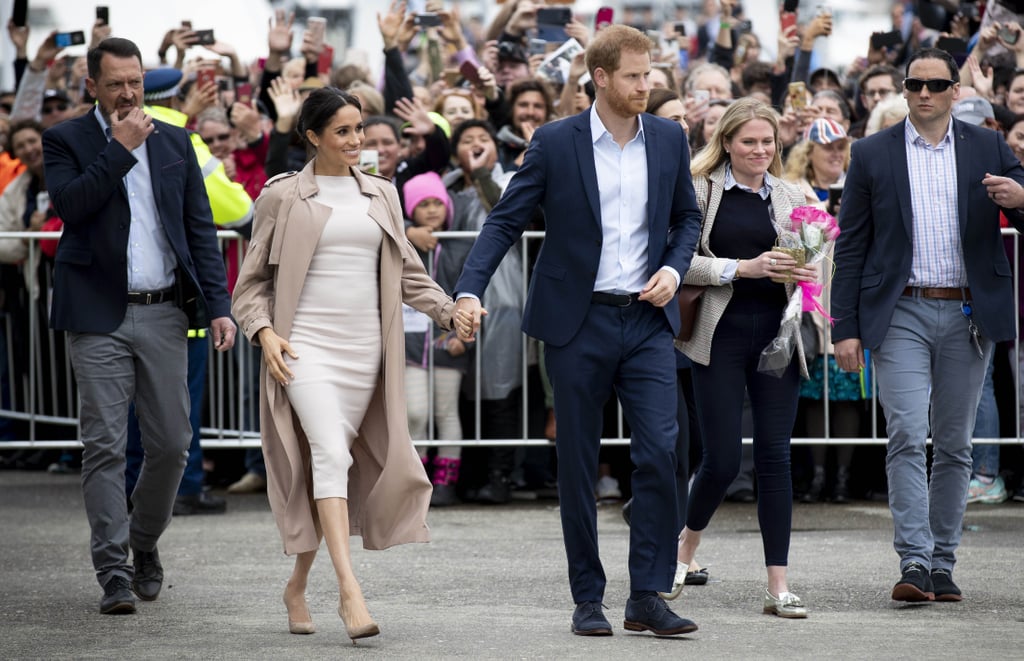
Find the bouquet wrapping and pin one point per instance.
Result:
(814, 233)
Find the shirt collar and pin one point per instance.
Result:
(915, 138)
(597, 129)
(764, 192)
(104, 126)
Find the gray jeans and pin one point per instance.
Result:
(145, 360)
(929, 372)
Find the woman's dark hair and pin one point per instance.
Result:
(115, 46)
(473, 123)
(659, 96)
(319, 108)
(21, 125)
(384, 120)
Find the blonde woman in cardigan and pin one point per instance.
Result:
(744, 204)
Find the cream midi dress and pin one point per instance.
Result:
(336, 334)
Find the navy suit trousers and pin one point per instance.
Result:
(628, 350)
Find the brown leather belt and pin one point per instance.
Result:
(944, 293)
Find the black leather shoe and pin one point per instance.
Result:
(944, 587)
(199, 503)
(588, 620)
(117, 597)
(653, 614)
(149, 574)
(627, 511)
(914, 585)
(496, 491)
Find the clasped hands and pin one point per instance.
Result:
(466, 320)
(776, 264)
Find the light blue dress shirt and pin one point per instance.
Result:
(151, 260)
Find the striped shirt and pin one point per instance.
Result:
(938, 259)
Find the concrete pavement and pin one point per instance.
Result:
(492, 585)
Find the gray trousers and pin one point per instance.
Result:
(145, 360)
(929, 372)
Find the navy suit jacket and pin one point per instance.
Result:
(84, 175)
(874, 251)
(558, 173)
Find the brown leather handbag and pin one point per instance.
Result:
(689, 299)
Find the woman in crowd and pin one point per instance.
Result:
(321, 292)
(702, 130)
(815, 164)
(745, 205)
(457, 105)
(819, 160)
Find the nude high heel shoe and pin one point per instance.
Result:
(355, 633)
(300, 627)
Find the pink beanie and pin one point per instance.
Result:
(424, 186)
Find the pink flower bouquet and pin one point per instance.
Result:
(814, 231)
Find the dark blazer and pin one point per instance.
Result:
(873, 253)
(558, 173)
(84, 174)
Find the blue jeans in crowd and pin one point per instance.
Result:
(986, 425)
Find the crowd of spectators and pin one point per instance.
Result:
(449, 119)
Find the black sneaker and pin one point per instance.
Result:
(945, 588)
(199, 503)
(496, 491)
(914, 585)
(1018, 495)
(117, 597)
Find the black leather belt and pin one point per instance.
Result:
(150, 297)
(618, 300)
(943, 293)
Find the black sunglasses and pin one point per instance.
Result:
(220, 137)
(934, 85)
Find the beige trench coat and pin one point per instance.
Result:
(389, 492)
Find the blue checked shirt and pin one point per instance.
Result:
(938, 259)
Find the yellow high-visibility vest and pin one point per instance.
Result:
(230, 203)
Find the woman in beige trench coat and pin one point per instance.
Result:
(388, 491)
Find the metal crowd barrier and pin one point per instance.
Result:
(231, 403)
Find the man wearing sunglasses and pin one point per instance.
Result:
(923, 282)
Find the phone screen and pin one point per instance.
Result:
(243, 93)
(469, 72)
(204, 76)
(317, 26)
(798, 95)
(65, 39)
(326, 60)
(103, 15)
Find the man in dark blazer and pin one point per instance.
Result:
(138, 264)
(622, 223)
(922, 280)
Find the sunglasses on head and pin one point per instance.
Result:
(935, 85)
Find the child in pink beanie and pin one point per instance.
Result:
(429, 207)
